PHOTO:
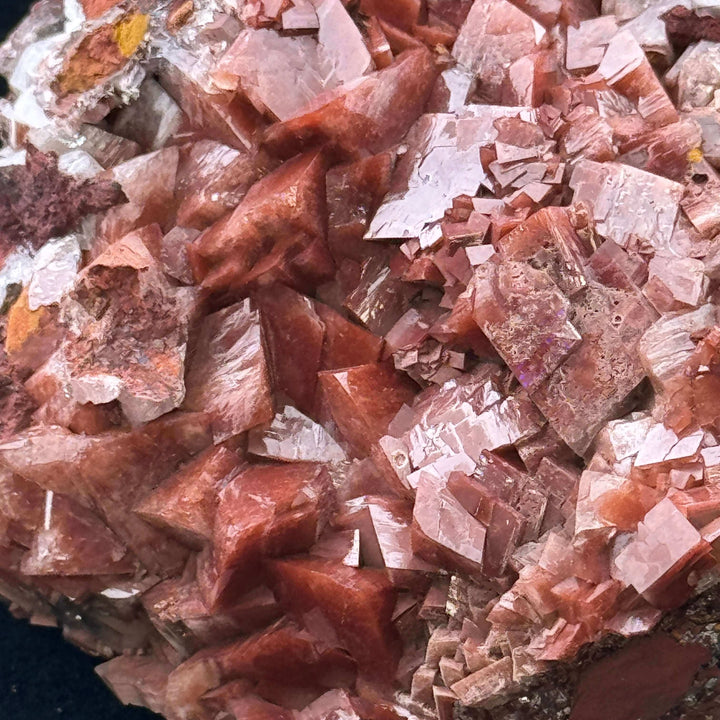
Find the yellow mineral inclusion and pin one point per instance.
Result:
(130, 32)
(695, 155)
(22, 323)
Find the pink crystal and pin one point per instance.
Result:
(212, 179)
(486, 51)
(444, 530)
(362, 401)
(665, 541)
(357, 605)
(185, 503)
(508, 290)
(654, 203)
(149, 182)
(293, 436)
(318, 65)
(229, 362)
(587, 43)
(350, 119)
(444, 147)
(627, 70)
(245, 531)
(362, 359)
(247, 241)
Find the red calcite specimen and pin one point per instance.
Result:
(443, 148)
(444, 532)
(380, 297)
(586, 44)
(354, 191)
(212, 179)
(306, 663)
(362, 400)
(266, 510)
(404, 15)
(148, 181)
(356, 604)
(73, 541)
(228, 374)
(141, 366)
(494, 35)
(362, 360)
(509, 294)
(112, 471)
(595, 381)
(665, 542)
(138, 680)
(294, 335)
(223, 116)
(384, 530)
(95, 8)
(550, 239)
(185, 503)
(293, 436)
(648, 215)
(345, 344)
(281, 215)
(16, 404)
(370, 115)
(177, 609)
(258, 61)
(626, 69)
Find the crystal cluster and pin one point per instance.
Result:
(361, 359)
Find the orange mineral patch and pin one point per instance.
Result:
(101, 54)
(130, 32)
(626, 506)
(22, 323)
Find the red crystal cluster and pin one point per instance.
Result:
(362, 359)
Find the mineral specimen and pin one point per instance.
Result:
(361, 360)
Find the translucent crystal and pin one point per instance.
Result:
(294, 437)
(440, 164)
(227, 375)
(627, 202)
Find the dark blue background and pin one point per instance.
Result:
(10, 13)
(41, 676)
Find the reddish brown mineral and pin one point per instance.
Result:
(268, 510)
(228, 375)
(38, 202)
(371, 115)
(362, 400)
(356, 604)
(361, 360)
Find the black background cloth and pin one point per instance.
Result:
(11, 13)
(42, 677)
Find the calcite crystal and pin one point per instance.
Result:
(361, 359)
